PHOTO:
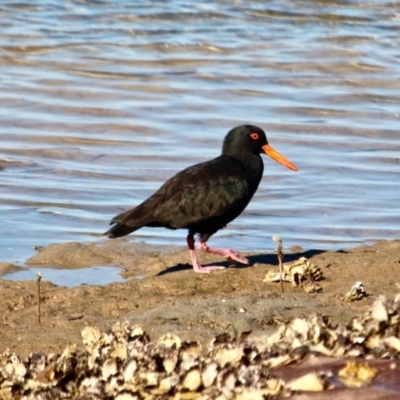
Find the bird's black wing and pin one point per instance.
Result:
(215, 190)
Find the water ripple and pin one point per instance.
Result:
(103, 101)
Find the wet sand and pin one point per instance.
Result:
(163, 294)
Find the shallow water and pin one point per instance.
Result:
(102, 101)
(69, 277)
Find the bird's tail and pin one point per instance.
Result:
(128, 222)
(119, 230)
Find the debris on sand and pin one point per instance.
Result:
(357, 292)
(300, 273)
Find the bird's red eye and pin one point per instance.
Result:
(254, 136)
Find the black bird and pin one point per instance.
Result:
(205, 197)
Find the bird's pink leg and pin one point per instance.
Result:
(227, 253)
(196, 266)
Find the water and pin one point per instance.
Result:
(102, 101)
(69, 277)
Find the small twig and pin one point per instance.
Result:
(39, 278)
(279, 251)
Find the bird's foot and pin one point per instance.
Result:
(205, 270)
(199, 268)
(227, 253)
(234, 256)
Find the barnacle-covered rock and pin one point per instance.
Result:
(90, 337)
(209, 373)
(311, 382)
(192, 380)
(356, 374)
(229, 354)
(311, 287)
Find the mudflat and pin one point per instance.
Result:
(162, 294)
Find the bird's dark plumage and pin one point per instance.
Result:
(205, 197)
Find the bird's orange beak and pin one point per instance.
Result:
(269, 151)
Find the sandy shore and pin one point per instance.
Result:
(169, 297)
(162, 294)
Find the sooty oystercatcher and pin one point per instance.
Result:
(205, 197)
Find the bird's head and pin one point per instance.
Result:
(252, 139)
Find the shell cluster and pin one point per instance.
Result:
(357, 292)
(125, 364)
(300, 273)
